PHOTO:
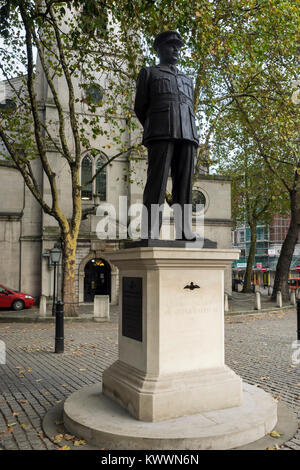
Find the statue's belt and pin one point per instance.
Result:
(163, 103)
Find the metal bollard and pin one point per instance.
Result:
(298, 319)
(59, 327)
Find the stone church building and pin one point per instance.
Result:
(27, 234)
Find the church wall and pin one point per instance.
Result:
(11, 209)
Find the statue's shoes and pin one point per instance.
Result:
(192, 238)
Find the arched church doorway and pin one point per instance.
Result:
(97, 279)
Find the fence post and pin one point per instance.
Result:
(59, 327)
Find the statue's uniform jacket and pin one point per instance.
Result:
(164, 105)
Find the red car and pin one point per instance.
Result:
(10, 298)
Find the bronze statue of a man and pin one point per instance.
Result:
(164, 106)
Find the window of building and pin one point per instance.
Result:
(98, 187)
(86, 175)
(197, 198)
(242, 236)
(94, 94)
(260, 233)
(101, 179)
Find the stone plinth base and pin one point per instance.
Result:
(154, 398)
(103, 423)
(171, 333)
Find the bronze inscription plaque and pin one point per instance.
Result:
(132, 308)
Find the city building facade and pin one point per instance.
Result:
(268, 247)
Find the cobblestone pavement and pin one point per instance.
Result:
(258, 347)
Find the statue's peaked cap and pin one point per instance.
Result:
(167, 36)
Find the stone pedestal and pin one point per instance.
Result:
(171, 338)
(101, 307)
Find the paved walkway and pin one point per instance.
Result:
(258, 347)
(239, 302)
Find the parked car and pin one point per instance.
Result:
(10, 298)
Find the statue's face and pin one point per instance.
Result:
(168, 52)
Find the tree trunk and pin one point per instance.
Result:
(287, 251)
(248, 274)
(69, 293)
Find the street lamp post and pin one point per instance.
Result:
(55, 254)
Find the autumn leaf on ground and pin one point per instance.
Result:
(59, 422)
(79, 442)
(9, 431)
(58, 438)
(64, 448)
(68, 437)
(275, 434)
(11, 424)
(15, 414)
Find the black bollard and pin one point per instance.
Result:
(298, 319)
(59, 327)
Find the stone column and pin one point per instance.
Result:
(171, 333)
